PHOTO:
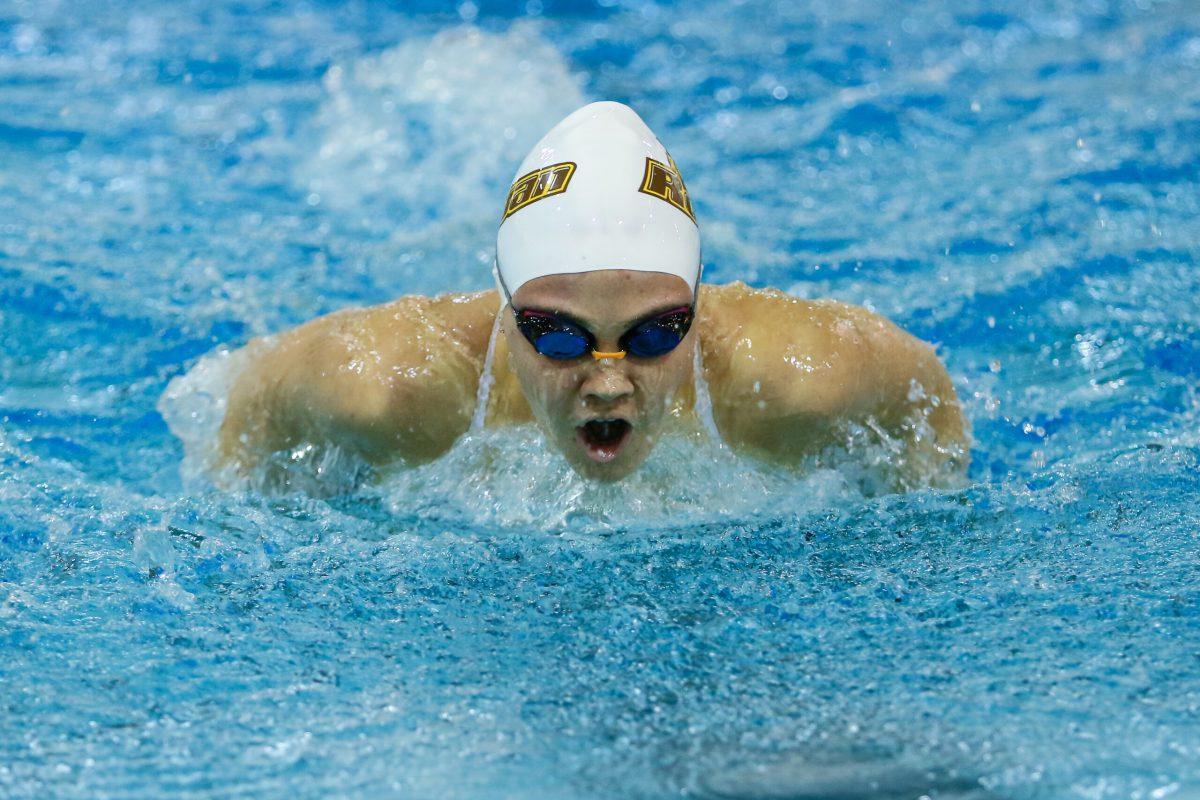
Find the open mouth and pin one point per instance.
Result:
(603, 438)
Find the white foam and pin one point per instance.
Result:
(434, 127)
(193, 406)
(513, 477)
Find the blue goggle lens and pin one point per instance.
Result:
(658, 336)
(653, 341)
(562, 345)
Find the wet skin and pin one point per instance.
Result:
(398, 382)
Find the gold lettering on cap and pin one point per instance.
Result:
(538, 185)
(665, 183)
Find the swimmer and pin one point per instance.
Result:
(597, 322)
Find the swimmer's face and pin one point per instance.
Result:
(605, 415)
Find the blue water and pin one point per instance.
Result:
(1015, 181)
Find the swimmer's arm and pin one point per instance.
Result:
(385, 383)
(797, 371)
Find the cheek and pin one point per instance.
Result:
(679, 369)
(557, 392)
(549, 389)
(661, 387)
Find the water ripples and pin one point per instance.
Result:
(1016, 184)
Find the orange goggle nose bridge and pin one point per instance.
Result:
(596, 354)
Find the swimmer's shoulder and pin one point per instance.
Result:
(739, 304)
(392, 381)
(414, 367)
(766, 343)
(413, 328)
(783, 371)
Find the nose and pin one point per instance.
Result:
(606, 382)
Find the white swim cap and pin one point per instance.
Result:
(599, 191)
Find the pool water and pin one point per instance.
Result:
(1014, 181)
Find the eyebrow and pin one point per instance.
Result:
(626, 324)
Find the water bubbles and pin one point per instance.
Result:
(728, 94)
(468, 11)
(25, 38)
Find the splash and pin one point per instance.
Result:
(193, 407)
(513, 477)
(432, 128)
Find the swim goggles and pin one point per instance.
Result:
(559, 337)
